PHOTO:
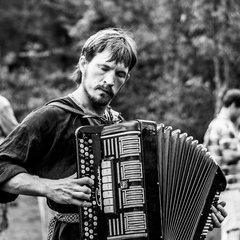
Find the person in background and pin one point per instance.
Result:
(222, 141)
(39, 157)
(7, 123)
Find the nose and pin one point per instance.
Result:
(109, 78)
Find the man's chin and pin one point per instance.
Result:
(101, 102)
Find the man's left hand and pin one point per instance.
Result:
(218, 215)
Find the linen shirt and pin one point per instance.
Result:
(44, 145)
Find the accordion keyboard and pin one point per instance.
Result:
(86, 169)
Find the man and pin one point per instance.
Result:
(221, 139)
(39, 157)
(7, 123)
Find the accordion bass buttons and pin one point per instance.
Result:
(86, 169)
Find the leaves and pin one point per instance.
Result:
(188, 53)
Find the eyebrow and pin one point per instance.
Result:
(122, 69)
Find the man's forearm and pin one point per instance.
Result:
(25, 184)
(68, 190)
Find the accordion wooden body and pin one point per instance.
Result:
(151, 182)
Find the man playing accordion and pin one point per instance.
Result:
(39, 157)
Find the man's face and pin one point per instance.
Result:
(102, 79)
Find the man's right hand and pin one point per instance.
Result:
(70, 190)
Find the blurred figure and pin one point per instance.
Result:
(7, 123)
(222, 141)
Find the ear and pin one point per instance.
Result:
(82, 63)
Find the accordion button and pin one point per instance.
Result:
(107, 194)
(107, 179)
(106, 164)
(107, 186)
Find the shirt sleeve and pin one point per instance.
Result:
(43, 144)
(11, 160)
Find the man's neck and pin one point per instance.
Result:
(86, 106)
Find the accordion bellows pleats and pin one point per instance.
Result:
(151, 182)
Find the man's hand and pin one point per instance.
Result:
(68, 190)
(218, 215)
(71, 190)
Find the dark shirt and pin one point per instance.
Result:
(44, 145)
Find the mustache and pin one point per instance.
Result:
(106, 89)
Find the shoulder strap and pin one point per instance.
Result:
(66, 107)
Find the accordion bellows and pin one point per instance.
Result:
(151, 182)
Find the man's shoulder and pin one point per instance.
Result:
(45, 113)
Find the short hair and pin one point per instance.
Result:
(123, 48)
(232, 95)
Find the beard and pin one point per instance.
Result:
(105, 97)
(101, 101)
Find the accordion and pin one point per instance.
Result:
(151, 182)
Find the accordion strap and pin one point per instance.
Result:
(66, 107)
(60, 217)
(93, 120)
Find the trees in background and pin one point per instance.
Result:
(188, 54)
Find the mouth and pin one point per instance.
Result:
(106, 90)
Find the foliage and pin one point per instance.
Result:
(188, 54)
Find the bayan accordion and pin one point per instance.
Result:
(151, 182)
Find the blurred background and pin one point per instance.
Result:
(188, 54)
